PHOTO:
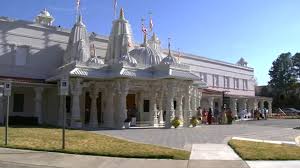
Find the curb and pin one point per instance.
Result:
(266, 141)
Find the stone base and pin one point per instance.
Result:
(93, 125)
(76, 124)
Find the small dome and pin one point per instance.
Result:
(169, 60)
(128, 59)
(146, 55)
(45, 13)
(95, 61)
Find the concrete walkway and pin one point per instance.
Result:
(12, 158)
(213, 152)
(274, 164)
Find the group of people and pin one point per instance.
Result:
(208, 117)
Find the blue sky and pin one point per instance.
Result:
(258, 30)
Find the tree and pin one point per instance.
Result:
(296, 64)
(282, 74)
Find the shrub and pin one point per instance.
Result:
(175, 122)
(194, 121)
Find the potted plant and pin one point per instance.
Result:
(127, 123)
(175, 122)
(194, 121)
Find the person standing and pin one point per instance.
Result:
(209, 116)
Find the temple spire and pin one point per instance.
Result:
(122, 14)
(169, 46)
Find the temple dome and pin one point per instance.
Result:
(169, 60)
(94, 61)
(146, 55)
(128, 60)
(44, 18)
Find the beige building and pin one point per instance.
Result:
(112, 78)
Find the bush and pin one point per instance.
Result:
(194, 121)
(175, 122)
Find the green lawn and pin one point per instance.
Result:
(264, 151)
(82, 142)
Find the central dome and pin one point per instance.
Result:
(146, 55)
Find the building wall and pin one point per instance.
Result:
(47, 44)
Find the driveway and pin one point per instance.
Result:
(183, 138)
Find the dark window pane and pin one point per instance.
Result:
(18, 103)
(146, 106)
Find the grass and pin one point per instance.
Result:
(248, 150)
(82, 142)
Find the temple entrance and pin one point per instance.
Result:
(88, 108)
(130, 102)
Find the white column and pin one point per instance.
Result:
(199, 98)
(94, 111)
(170, 104)
(38, 103)
(154, 109)
(123, 91)
(187, 108)
(76, 90)
(161, 111)
(109, 107)
(1, 110)
(179, 112)
(194, 101)
(233, 107)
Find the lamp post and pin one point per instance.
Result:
(7, 92)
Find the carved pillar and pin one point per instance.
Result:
(123, 92)
(233, 107)
(161, 111)
(170, 104)
(38, 103)
(153, 109)
(94, 112)
(194, 101)
(187, 108)
(199, 98)
(109, 107)
(179, 112)
(269, 107)
(76, 91)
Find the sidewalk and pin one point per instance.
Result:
(13, 158)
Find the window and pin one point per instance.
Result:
(236, 83)
(203, 76)
(146, 106)
(245, 84)
(21, 55)
(215, 80)
(18, 105)
(226, 82)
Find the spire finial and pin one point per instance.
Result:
(122, 14)
(169, 45)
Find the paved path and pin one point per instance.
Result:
(213, 152)
(11, 158)
(183, 138)
(274, 164)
